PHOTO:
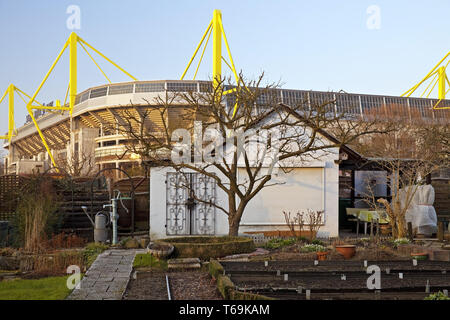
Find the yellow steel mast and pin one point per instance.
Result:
(217, 48)
(72, 43)
(437, 76)
(216, 28)
(11, 127)
(10, 91)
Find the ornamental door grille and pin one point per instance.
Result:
(189, 208)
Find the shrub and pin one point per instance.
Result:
(65, 241)
(52, 264)
(227, 288)
(215, 268)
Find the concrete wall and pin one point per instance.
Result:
(85, 137)
(30, 166)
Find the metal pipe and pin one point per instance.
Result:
(114, 220)
(168, 288)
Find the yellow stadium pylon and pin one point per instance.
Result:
(216, 28)
(437, 76)
(9, 92)
(72, 43)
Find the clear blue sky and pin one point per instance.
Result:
(317, 45)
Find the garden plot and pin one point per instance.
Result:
(184, 285)
(339, 279)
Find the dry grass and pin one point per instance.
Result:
(36, 216)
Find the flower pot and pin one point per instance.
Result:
(420, 256)
(347, 250)
(385, 229)
(160, 250)
(322, 255)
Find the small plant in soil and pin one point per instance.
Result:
(437, 296)
(317, 241)
(145, 260)
(92, 250)
(313, 248)
(400, 241)
(279, 243)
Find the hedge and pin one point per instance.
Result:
(227, 288)
(206, 248)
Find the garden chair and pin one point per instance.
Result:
(372, 217)
(353, 214)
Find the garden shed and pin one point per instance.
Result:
(307, 185)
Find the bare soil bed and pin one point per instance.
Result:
(193, 285)
(293, 253)
(148, 286)
(334, 266)
(184, 285)
(339, 279)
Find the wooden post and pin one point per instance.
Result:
(352, 190)
(357, 225)
(440, 231)
(371, 228)
(410, 231)
(377, 225)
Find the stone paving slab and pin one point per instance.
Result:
(108, 276)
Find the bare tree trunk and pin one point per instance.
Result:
(401, 227)
(234, 214)
(233, 227)
(234, 220)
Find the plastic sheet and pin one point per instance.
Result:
(421, 212)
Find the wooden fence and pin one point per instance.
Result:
(9, 190)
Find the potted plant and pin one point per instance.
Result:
(385, 229)
(320, 250)
(160, 249)
(420, 256)
(347, 250)
(322, 255)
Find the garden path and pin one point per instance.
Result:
(107, 278)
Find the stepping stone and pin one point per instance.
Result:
(184, 263)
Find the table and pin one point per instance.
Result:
(367, 216)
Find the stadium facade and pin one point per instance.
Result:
(86, 135)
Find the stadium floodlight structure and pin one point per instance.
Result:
(71, 92)
(9, 92)
(216, 28)
(437, 76)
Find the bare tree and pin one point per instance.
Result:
(247, 130)
(410, 153)
(77, 164)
